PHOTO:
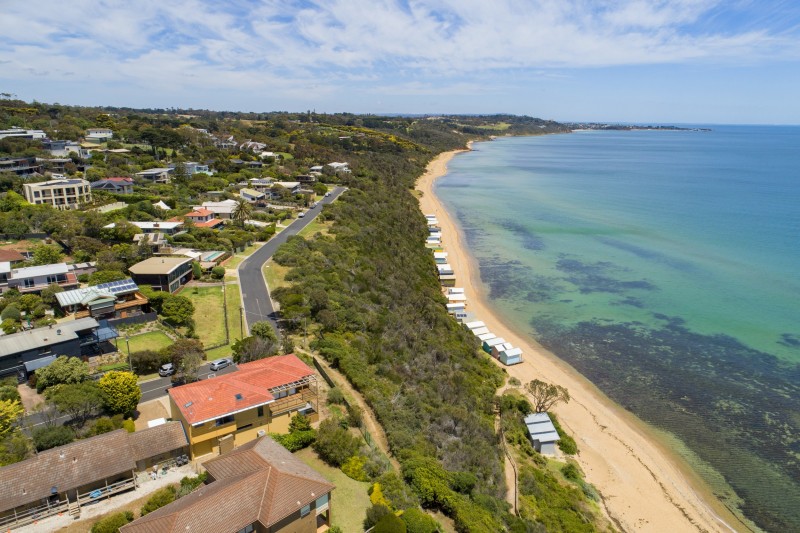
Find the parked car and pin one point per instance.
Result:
(219, 364)
(301, 214)
(166, 370)
(327, 194)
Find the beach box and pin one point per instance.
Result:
(489, 343)
(455, 290)
(445, 269)
(510, 357)
(476, 324)
(480, 331)
(453, 298)
(452, 308)
(461, 315)
(447, 280)
(485, 337)
(499, 347)
(440, 257)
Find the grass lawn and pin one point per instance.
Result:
(350, 499)
(152, 340)
(234, 301)
(275, 275)
(209, 316)
(234, 262)
(315, 227)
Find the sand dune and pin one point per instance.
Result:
(644, 486)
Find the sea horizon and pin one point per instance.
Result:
(620, 253)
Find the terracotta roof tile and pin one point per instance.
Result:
(214, 398)
(10, 255)
(258, 482)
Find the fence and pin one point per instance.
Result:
(331, 383)
(137, 319)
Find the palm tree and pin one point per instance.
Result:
(242, 211)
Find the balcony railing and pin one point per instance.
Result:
(293, 402)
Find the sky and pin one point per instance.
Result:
(641, 61)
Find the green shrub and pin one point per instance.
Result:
(159, 499)
(112, 523)
(335, 396)
(398, 494)
(11, 312)
(355, 416)
(102, 425)
(418, 522)
(129, 425)
(45, 438)
(218, 272)
(374, 514)
(297, 440)
(334, 444)
(354, 468)
(390, 523)
(189, 484)
(571, 471)
(566, 443)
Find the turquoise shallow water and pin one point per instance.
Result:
(664, 266)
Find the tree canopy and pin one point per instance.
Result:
(120, 391)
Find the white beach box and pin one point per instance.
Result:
(476, 324)
(480, 331)
(486, 337)
(452, 308)
(455, 290)
(510, 357)
(489, 343)
(456, 298)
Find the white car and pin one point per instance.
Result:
(301, 214)
(219, 364)
(327, 194)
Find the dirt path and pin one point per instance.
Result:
(370, 420)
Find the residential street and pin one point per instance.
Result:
(255, 294)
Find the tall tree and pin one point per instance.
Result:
(10, 412)
(546, 395)
(242, 211)
(80, 400)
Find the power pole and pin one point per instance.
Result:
(241, 322)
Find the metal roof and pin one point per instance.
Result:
(541, 428)
(158, 265)
(87, 294)
(40, 270)
(42, 337)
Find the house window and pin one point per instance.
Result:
(224, 420)
(247, 529)
(28, 282)
(260, 410)
(305, 510)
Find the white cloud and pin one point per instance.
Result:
(423, 46)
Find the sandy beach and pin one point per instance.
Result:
(644, 486)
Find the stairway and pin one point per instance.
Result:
(74, 510)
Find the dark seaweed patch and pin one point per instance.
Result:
(644, 253)
(631, 301)
(734, 406)
(597, 277)
(530, 240)
(790, 340)
(510, 280)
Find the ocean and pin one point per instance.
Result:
(665, 267)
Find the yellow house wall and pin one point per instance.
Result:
(205, 439)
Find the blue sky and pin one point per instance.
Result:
(686, 61)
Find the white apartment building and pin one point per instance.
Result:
(61, 193)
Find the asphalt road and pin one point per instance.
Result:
(255, 294)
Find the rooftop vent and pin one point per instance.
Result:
(239, 397)
(187, 404)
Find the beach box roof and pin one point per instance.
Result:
(541, 428)
(455, 306)
(455, 290)
(494, 342)
(486, 336)
(480, 331)
(439, 255)
(476, 324)
(457, 298)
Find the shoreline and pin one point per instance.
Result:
(644, 485)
